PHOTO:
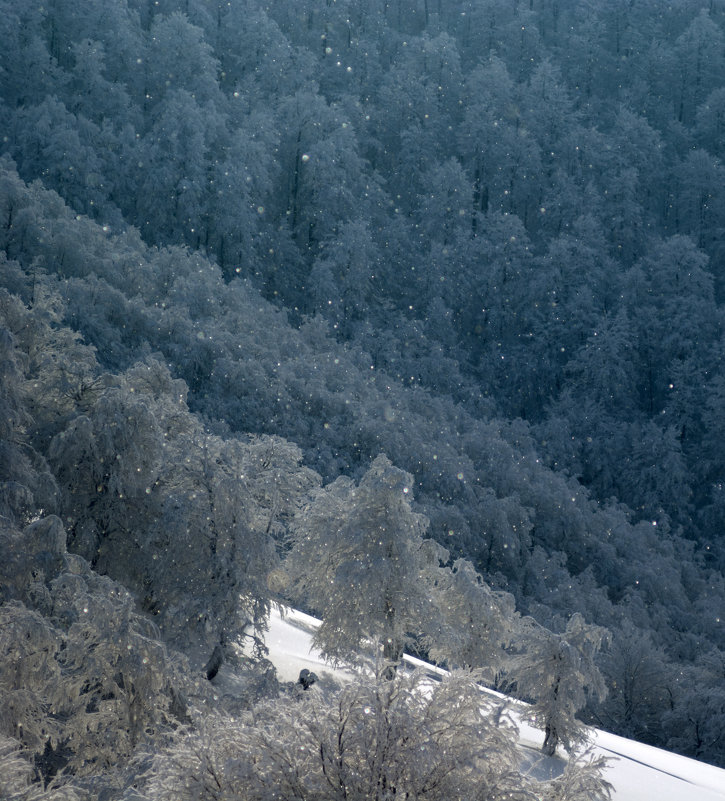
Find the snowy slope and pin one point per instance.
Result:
(637, 772)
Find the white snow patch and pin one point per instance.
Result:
(289, 641)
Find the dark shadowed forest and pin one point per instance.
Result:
(408, 313)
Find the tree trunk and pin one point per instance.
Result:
(392, 646)
(551, 740)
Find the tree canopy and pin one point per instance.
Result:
(247, 248)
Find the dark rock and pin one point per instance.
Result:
(215, 662)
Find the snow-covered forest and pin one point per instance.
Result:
(409, 313)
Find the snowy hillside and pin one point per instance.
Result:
(637, 772)
(410, 312)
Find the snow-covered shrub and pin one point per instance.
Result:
(409, 737)
(84, 678)
(18, 779)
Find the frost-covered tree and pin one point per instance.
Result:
(84, 677)
(701, 206)
(184, 517)
(699, 58)
(358, 555)
(49, 134)
(710, 127)
(105, 461)
(25, 481)
(559, 672)
(671, 295)
(208, 553)
(695, 719)
(477, 621)
(175, 170)
(637, 681)
(19, 777)
(238, 189)
(178, 58)
(15, 470)
(346, 277)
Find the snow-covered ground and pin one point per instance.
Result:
(637, 772)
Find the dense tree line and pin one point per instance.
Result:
(501, 182)
(248, 249)
(119, 487)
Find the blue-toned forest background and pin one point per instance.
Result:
(483, 237)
